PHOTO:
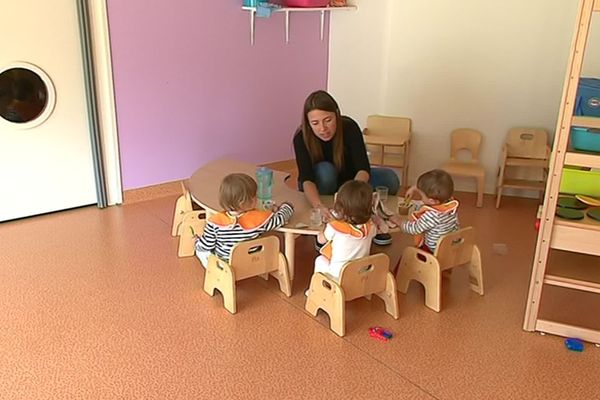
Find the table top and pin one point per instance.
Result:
(204, 189)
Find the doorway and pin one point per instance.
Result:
(46, 155)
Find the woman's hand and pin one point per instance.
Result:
(326, 214)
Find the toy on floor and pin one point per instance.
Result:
(379, 333)
(574, 344)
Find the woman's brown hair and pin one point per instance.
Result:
(236, 190)
(354, 202)
(321, 100)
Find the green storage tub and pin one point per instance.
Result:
(576, 180)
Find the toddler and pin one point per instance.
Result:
(438, 216)
(239, 220)
(349, 235)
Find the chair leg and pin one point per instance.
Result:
(405, 176)
(476, 272)
(190, 225)
(219, 275)
(390, 296)
(283, 276)
(432, 281)
(498, 196)
(404, 274)
(330, 300)
(480, 188)
(500, 182)
(182, 206)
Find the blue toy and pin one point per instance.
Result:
(574, 344)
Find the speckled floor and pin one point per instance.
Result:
(95, 304)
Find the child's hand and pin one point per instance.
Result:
(326, 215)
(396, 219)
(321, 237)
(411, 191)
(288, 203)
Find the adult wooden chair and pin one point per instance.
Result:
(524, 148)
(186, 223)
(453, 250)
(358, 278)
(388, 142)
(469, 140)
(258, 257)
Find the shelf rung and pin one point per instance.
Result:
(556, 328)
(596, 6)
(571, 283)
(586, 122)
(523, 184)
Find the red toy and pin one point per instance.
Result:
(380, 333)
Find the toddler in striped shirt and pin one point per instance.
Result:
(239, 220)
(437, 216)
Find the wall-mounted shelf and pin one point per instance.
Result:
(288, 10)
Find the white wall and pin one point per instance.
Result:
(483, 64)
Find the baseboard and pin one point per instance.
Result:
(152, 192)
(173, 188)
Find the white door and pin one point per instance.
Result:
(46, 161)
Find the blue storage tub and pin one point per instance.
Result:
(588, 97)
(585, 139)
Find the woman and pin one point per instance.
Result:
(330, 150)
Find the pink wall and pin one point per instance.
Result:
(190, 88)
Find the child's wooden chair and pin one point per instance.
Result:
(453, 250)
(470, 140)
(359, 278)
(186, 223)
(524, 148)
(388, 142)
(248, 259)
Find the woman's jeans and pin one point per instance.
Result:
(326, 177)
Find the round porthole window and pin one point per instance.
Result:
(27, 95)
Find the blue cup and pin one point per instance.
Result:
(250, 3)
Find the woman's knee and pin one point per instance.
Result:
(385, 177)
(326, 177)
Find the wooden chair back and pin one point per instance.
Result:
(255, 257)
(465, 139)
(364, 276)
(387, 126)
(455, 248)
(527, 143)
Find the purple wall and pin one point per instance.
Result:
(190, 87)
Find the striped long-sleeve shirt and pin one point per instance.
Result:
(433, 222)
(223, 230)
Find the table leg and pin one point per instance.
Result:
(290, 250)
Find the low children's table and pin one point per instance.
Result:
(204, 189)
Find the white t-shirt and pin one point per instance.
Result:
(345, 242)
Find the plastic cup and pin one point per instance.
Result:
(315, 217)
(382, 192)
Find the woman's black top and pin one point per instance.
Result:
(355, 154)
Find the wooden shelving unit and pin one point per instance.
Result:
(581, 236)
(288, 10)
